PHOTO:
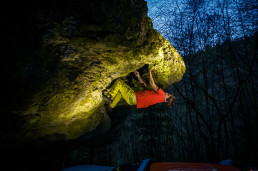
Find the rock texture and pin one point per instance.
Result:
(69, 52)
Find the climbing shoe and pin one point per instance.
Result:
(108, 100)
(106, 93)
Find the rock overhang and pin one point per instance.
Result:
(92, 54)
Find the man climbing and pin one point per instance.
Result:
(142, 99)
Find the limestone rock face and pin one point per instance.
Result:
(78, 49)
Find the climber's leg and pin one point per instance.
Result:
(116, 99)
(119, 90)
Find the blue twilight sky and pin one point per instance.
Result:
(215, 19)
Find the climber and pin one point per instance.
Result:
(142, 99)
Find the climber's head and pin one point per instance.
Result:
(169, 99)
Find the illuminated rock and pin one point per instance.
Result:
(95, 44)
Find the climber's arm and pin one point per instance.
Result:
(152, 82)
(140, 80)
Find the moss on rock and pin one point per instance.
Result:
(92, 53)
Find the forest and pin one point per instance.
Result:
(217, 105)
(215, 115)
